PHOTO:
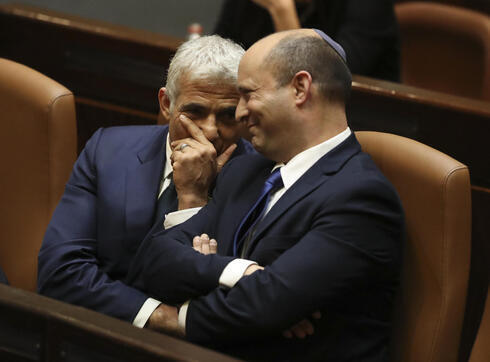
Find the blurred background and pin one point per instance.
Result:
(169, 17)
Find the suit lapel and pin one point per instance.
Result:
(245, 201)
(319, 173)
(143, 176)
(301, 188)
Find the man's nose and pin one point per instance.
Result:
(241, 111)
(209, 128)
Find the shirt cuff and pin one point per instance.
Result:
(183, 315)
(178, 217)
(145, 312)
(233, 272)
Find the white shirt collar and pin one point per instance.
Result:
(300, 163)
(168, 163)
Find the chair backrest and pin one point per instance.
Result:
(481, 348)
(445, 48)
(37, 152)
(435, 193)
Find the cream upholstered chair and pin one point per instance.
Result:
(37, 152)
(435, 193)
(445, 48)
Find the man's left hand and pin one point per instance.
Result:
(165, 319)
(303, 328)
(204, 245)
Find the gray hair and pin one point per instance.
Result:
(209, 58)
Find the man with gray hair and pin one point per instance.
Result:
(132, 181)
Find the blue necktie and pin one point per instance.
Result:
(255, 214)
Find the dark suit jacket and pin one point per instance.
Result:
(331, 243)
(367, 30)
(107, 209)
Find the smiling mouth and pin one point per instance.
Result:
(251, 123)
(252, 128)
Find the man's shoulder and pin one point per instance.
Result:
(132, 133)
(243, 148)
(352, 171)
(125, 137)
(245, 167)
(361, 177)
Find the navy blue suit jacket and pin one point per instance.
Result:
(106, 211)
(332, 243)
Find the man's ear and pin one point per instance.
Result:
(164, 103)
(301, 83)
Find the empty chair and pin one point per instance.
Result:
(435, 193)
(37, 152)
(445, 48)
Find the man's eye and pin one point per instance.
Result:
(192, 114)
(227, 118)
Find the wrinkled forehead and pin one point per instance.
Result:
(258, 51)
(262, 47)
(204, 81)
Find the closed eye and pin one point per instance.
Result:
(244, 91)
(227, 115)
(193, 110)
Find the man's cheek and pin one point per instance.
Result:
(226, 141)
(239, 130)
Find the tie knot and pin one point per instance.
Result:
(275, 179)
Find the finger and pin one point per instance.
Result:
(302, 329)
(287, 334)
(298, 332)
(225, 156)
(205, 244)
(194, 131)
(192, 143)
(252, 269)
(213, 246)
(196, 244)
(307, 327)
(192, 153)
(317, 315)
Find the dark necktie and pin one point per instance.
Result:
(255, 214)
(167, 202)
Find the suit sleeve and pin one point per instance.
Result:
(68, 265)
(353, 242)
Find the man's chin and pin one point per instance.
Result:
(257, 145)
